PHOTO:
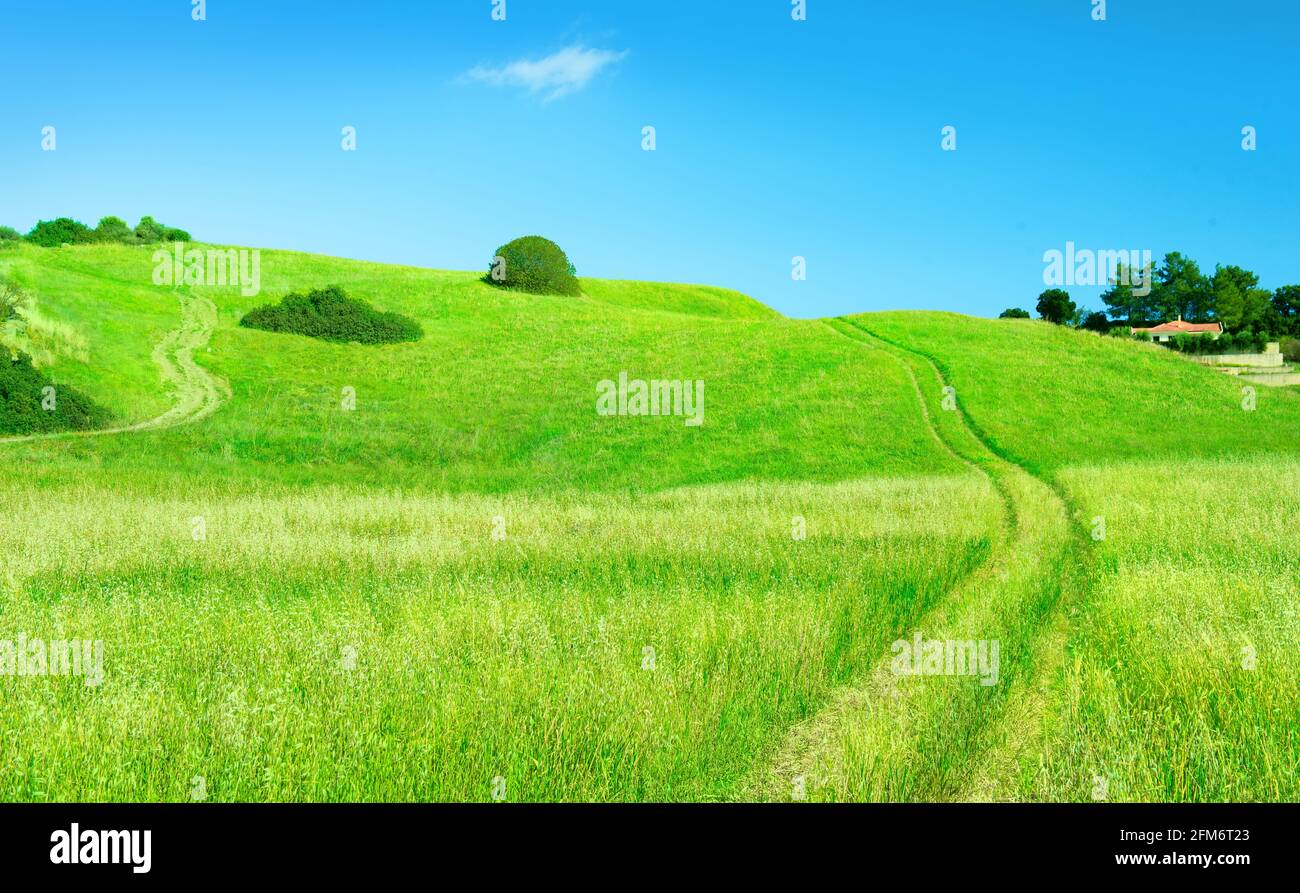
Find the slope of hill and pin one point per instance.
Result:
(501, 392)
(471, 574)
(470, 578)
(1166, 670)
(1049, 397)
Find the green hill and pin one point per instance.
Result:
(326, 571)
(470, 559)
(501, 392)
(1050, 397)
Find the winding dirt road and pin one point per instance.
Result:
(197, 393)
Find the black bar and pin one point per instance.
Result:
(504, 841)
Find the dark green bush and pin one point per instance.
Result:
(9, 234)
(535, 265)
(149, 230)
(1014, 313)
(114, 229)
(1096, 322)
(13, 300)
(329, 314)
(1291, 350)
(22, 392)
(63, 230)
(1247, 341)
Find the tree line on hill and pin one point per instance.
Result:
(1179, 290)
(66, 231)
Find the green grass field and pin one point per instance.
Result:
(474, 586)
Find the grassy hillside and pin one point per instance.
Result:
(501, 392)
(472, 576)
(1050, 397)
(1165, 669)
(120, 320)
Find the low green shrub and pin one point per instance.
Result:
(113, 229)
(60, 231)
(1253, 342)
(9, 234)
(330, 315)
(30, 403)
(535, 265)
(13, 301)
(149, 230)
(1248, 341)
(1291, 350)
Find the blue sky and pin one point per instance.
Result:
(775, 138)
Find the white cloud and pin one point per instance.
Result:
(559, 74)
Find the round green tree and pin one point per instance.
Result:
(1055, 305)
(535, 265)
(1096, 322)
(114, 229)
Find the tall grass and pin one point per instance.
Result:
(347, 645)
(923, 737)
(1182, 674)
(1138, 686)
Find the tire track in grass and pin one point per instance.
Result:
(197, 392)
(1022, 726)
(893, 737)
(806, 739)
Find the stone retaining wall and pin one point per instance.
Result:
(1277, 380)
(1261, 360)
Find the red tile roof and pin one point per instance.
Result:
(1173, 328)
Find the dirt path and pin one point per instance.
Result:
(197, 393)
(890, 737)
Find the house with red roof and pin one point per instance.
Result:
(1167, 330)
